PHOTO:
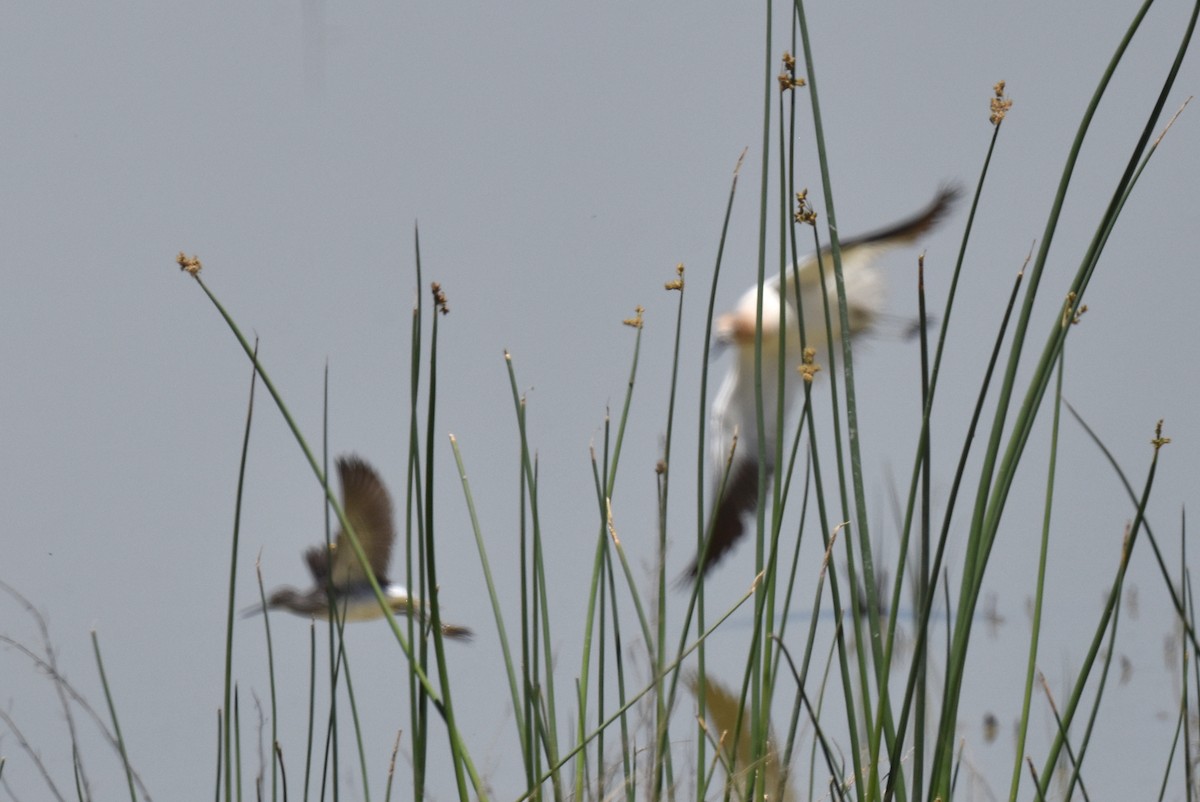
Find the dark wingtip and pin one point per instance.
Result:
(351, 460)
(948, 194)
(317, 560)
(941, 205)
(920, 223)
(684, 581)
(741, 494)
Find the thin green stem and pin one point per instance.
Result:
(229, 615)
(112, 711)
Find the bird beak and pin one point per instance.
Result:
(723, 336)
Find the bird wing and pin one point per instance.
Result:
(734, 408)
(734, 412)
(863, 291)
(741, 494)
(368, 508)
(317, 560)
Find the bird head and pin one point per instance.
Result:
(738, 327)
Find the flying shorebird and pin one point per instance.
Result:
(336, 570)
(733, 409)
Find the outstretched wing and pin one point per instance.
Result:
(317, 560)
(864, 290)
(734, 409)
(735, 466)
(369, 510)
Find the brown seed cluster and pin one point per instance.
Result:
(439, 298)
(676, 283)
(188, 264)
(1159, 441)
(804, 210)
(808, 368)
(1070, 315)
(1000, 104)
(635, 322)
(787, 78)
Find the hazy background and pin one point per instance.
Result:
(560, 160)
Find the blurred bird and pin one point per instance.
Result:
(336, 570)
(733, 410)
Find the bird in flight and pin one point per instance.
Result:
(733, 409)
(337, 572)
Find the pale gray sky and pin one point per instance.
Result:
(560, 160)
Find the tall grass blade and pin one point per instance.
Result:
(1113, 601)
(233, 563)
(112, 711)
(1039, 589)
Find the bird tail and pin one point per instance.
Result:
(253, 610)
(457, 632)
